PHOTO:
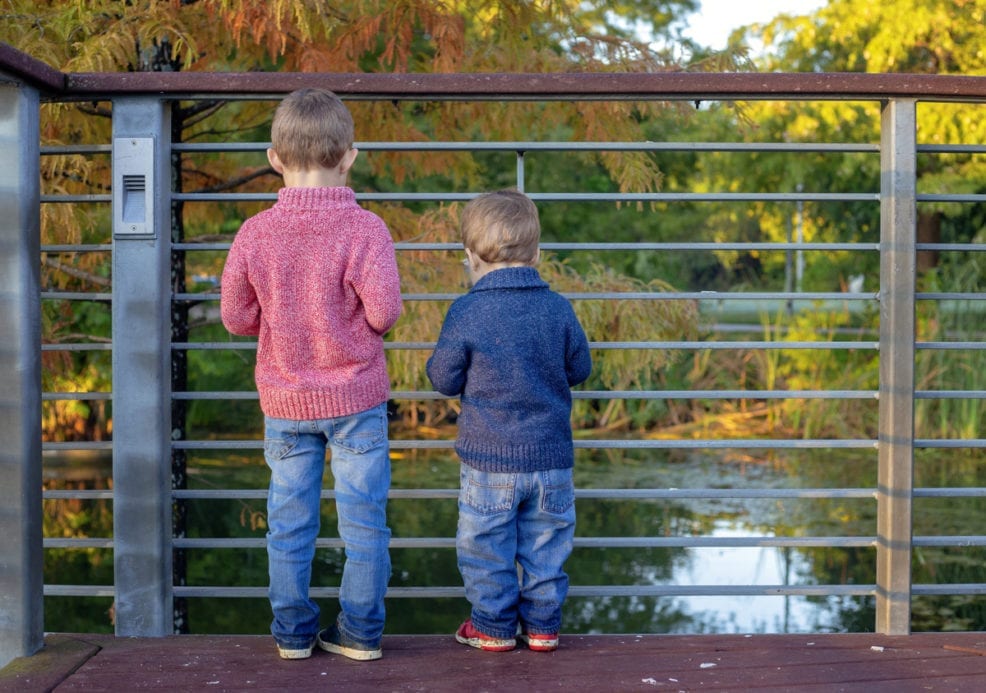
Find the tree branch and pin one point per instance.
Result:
(76, 272)
(200, 111)
(236, 182)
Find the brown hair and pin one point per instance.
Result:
(502, 226)
(312, 129)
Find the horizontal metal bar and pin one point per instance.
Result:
(950, 296)
(75, 296)
(78, 543)
(75, 396)
(677, 444)
(938, 197)
(635, 494)
(948, 589)
(77, 445)
(79, 591)
(950, 394)
(78, 346)
(203, 395)
(579, 542)
(657, 344)
(950, 345)
(75, 199)
(722, 542)
(55, 149)
(722, 590)
(954, 443)
(950, 541)
(106, 248)
(214, 346)
(697, 246)
(522, 146)
(536, 196)
(78, 494)
(951, 247)
(950, 492)
(576, 591)
(793, 296)
(951, 148)
(607, 394)
(541, 197)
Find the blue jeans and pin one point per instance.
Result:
(515, 533)
(295, 453)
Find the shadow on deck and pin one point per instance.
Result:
(807, 662)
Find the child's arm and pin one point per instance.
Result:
(239, 307)
(449, 362)
(578, 364)
(381, 292)
(374, 277)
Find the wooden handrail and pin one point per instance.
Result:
(674, 85)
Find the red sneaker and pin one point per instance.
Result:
(468, 635)
(540, 642)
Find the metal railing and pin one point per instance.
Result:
(142, 300)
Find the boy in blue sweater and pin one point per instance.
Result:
(511, 349)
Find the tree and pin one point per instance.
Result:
(906, 36)
(310, 35)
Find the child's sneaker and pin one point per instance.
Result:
(295, 652)
(540, 642)
(468, 635)
(332, 640)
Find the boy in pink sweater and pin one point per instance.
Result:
(315, 279)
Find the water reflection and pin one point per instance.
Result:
(739, 566)
(589, 567)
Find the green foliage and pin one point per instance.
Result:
(938, 369)
(425, 39)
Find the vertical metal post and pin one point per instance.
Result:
(142, 367)
(898, 214)
(21, 557)
(520, 170)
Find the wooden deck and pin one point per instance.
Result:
(830, 662)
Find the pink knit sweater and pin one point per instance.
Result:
(315, 278)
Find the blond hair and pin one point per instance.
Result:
(312, 129)
(502, 226)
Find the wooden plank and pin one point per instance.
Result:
(56, 661)
(869, 662)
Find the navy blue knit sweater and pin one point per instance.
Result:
(511, 348)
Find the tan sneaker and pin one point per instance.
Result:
(332, 640)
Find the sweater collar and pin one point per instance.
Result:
(511, 278)
(307, 198)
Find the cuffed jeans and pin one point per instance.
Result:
(515, 532)
(295, 453)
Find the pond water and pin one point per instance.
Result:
(589, 566)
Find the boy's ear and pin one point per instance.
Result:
(348, 159)
(275, 161)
